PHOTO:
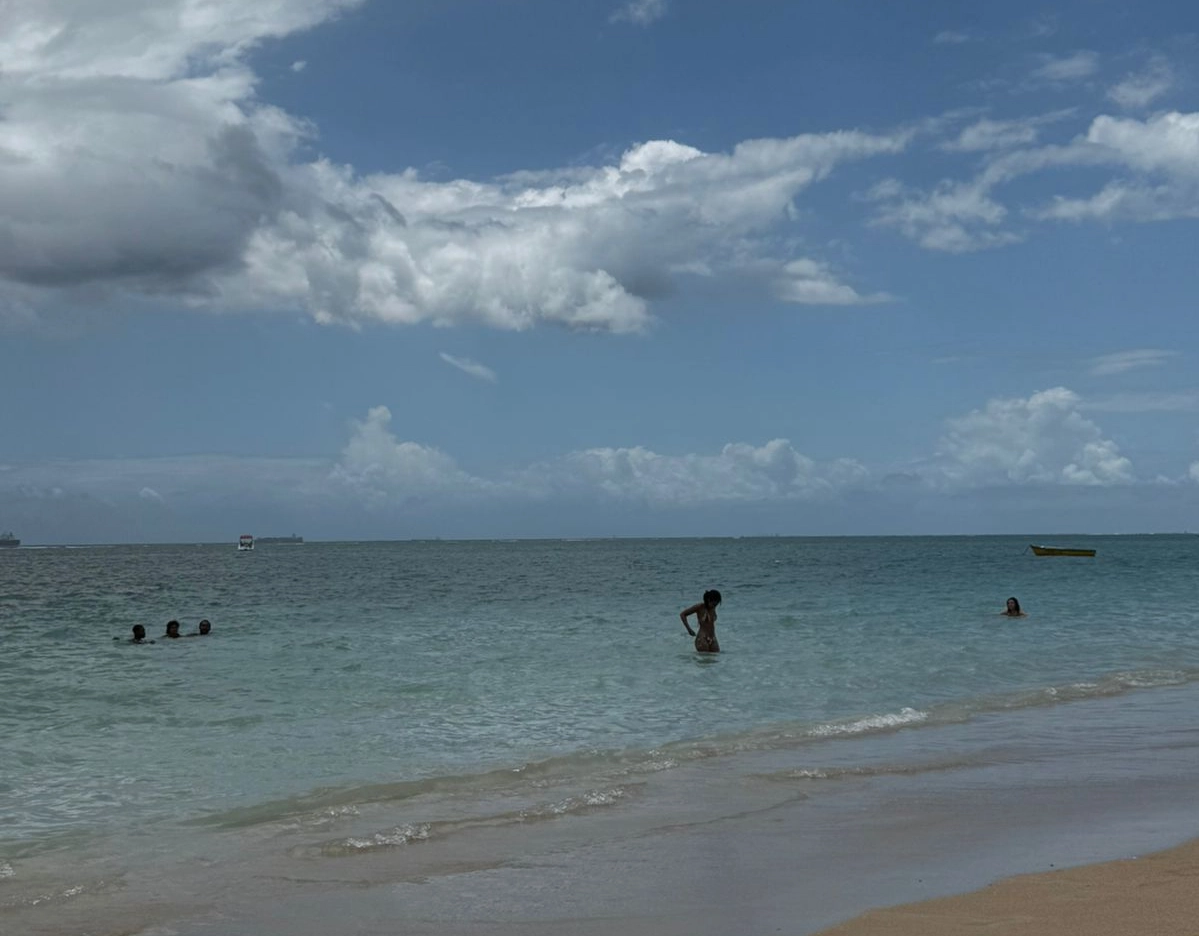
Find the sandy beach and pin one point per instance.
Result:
(1155, 894)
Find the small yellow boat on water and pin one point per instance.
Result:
(1059, 551)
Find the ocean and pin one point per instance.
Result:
(462, 736)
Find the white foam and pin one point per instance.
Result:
(395, 838)
(885, 722)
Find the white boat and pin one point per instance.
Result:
(244, 542)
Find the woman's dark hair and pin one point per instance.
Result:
(1015, 601)
(711, 597)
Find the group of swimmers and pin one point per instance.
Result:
(705, 619)
(172, 632)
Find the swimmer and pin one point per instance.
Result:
(139, 635)
(705, 619)
(205, 627)
(172, 630)
(1013, 609)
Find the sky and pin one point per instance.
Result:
(358, 269)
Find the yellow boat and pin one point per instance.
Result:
(1060, 551)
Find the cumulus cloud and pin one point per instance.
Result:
(379, 467)
(1122, 361)
(641, 12)
(738, 473)
(196, 192)
(467, 366)
(1041, 439)
(1039, 442)
(1161, 157)
(1140, 89)
(812, 283)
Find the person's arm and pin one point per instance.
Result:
(694, 609)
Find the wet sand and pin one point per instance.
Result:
(1157, 894)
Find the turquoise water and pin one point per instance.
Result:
(530, 678)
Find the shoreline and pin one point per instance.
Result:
(795, 839)
(1155, 893)
(759, 847)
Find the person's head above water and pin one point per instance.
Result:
(1013, 607)
(139, 632)
(711, 597)
(205, 627)
(172, 629)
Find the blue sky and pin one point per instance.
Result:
(533, 268)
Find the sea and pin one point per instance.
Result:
(518, 736)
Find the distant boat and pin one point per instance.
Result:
(291, 540)
(7, 539)
(1059, 551)
(244, 542)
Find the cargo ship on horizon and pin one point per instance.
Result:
(8, 540)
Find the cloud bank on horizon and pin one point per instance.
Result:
(1042, 441)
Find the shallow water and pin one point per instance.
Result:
(355, 699)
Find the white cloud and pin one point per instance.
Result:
(376, 466)
(1161, 154)
(1193, 473)
(987, 135)
(1140, 89)
(951, 37)
(467, 366)
(641, 12)
(1166, 143)
(380, 468)
(195, 191)
(1067, 68)
(955, 217)
(1122, 361)
(299, 65)
(1158, 159)
(812, 283)
(1042, 439)
(991, 135)
(738, 473)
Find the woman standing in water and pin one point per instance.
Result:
(1013, 609)
(705, 619)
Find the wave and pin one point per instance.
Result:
(415, 833)
(613, 770)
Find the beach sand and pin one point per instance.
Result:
(1155, 895)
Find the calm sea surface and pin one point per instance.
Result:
(529, 678)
